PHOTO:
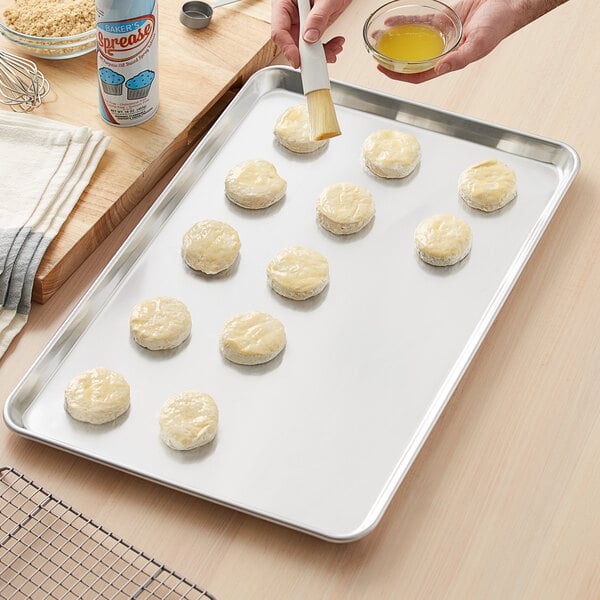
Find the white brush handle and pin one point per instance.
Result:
(222, 3)
(313, 65)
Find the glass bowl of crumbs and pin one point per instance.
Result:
(51, 29)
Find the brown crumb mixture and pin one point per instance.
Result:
(51, 18)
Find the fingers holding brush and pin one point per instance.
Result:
(333, 47)
(322, 15)
(285, 27)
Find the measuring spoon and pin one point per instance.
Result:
(197, 14)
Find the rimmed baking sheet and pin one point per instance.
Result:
(320, 438)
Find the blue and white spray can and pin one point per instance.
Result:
(127, 55)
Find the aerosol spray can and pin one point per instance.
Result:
(127, 53)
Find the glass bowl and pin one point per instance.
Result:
(53, 48)
(410, 36)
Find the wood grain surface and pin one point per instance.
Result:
(197, 69)
(502, 501)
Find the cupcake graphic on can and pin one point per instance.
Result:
(112, 83)
(139, 85)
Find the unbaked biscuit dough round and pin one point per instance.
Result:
(298, 273)
(443, 240)
(344, 208)
(488, 185)
(188, 420)
(160, 323)
(97, 396)
(292, 131)
(210, 246)
(254, 184)
(391, 153)
(252, 338)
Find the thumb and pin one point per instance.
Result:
(453, 62)
(316, 22)
(473, 49)
(443, 67)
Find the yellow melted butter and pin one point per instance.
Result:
(410, 42)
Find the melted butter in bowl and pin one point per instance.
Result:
(410, 37)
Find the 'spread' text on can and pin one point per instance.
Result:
(127, 53)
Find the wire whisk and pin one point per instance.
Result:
(22, 85)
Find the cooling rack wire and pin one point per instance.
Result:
(50, 551)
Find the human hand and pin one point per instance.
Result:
(485, 24)
(285, 27)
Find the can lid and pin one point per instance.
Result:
(196, 15)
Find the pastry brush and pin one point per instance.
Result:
(315, 83)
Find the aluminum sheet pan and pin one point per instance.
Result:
(320, 438)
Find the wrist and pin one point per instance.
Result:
(526, 11)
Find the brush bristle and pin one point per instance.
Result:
(321, 115)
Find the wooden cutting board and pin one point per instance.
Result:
(199, 72)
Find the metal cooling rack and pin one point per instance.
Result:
(48, 550)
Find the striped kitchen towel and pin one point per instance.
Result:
(44, 167)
